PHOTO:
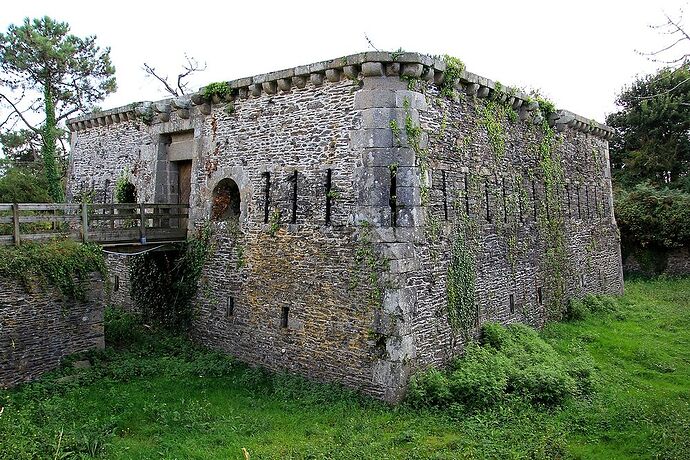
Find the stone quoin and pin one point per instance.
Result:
(385, 207)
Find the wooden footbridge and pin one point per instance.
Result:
(106, 224)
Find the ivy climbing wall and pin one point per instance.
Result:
(519, 220)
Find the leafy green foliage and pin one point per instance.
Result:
(44, 65)
(164, 284)
(649, 217)
(581, 308)
(20, 185)
(220, 89)
(62, 264)
(159, 396)
(460, 286)
(125, 191)
(454, 69)
(651, 142)
(512, 361)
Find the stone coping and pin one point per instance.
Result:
(372, 63)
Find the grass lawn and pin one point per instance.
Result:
(166, 399)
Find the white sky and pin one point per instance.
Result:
(580, 53)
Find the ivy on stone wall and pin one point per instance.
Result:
(60, 263)
(164, 284)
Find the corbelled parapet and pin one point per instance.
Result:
(409, 65)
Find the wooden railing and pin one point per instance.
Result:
(106, 224)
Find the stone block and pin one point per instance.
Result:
(333, 75)
(372, 69)
(316, 79)
(412, 70)
(374, 98)
(371, 137)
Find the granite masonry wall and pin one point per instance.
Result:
(39, 327)
(652, 262)
(358, 185)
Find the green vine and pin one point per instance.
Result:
(461, 278)
(60, 263)
(551, 222)
(164, 284)
(454, 69)
(125, 191)
(274, 222)
(375, 265)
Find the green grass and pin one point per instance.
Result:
(164, 398)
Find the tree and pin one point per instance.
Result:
(46, 69)
(652, 142)
(181, 86)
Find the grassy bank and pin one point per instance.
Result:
(164, 398)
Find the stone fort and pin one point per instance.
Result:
(378, 208)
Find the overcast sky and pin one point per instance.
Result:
(579, 53)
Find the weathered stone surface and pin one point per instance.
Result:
(393, 198)
(39, 327)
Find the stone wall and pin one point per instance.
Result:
(38, 327)
(361, 188)
(652, 262)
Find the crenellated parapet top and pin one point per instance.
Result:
(367, 64)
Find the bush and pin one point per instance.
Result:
(579, 309)
(511, 361)
(649, 217)
(122, 328)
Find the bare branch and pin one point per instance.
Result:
(152, 71)
(366, 37)
(20, 114)
(192, 66)
(667, 91)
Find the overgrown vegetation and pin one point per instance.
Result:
(510, 362)
(21, 185)
(60, 263)
(164, 284)
(653, 218)
(125, 191)
(158, 396)
(219, 89)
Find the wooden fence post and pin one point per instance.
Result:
(142, 223)
(15, 222)
(84, 223)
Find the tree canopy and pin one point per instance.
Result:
(652, 142)
(47, 70)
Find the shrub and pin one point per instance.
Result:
(511, 361)
(649, 217)
(122, 328)
(581, 308)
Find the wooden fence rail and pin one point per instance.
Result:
(106, 224)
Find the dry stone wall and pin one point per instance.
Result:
(371, 207)
(39, 327)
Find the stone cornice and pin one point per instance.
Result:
(414, 65)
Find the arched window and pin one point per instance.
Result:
(226, 201)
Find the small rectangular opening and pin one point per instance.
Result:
(230, 307)
(534, 198)
(267, 192)
(467, 195)
(284, 317)
(445, 195)
(393, 200)
(328, 196)
(540, 297)
(116, 283)
(505, 200)
(511, 301)
(487, 200)
(293, 217)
